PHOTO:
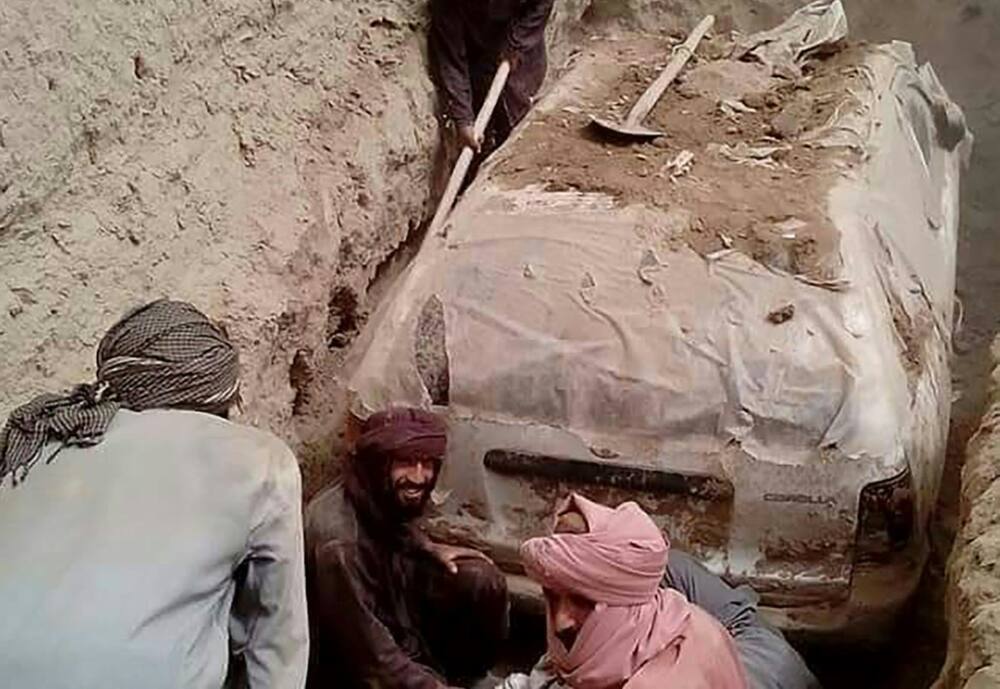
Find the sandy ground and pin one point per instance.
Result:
(772, 211)
(261, 158)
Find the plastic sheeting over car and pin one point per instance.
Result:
(556, 310)
(570, 329)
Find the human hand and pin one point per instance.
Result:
(467, 137)
(511, 57)
(449, 555)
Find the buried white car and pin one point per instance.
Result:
(745, 326)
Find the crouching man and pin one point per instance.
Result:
(390, 609)
(153, 544)
(610, 623)
(768, 660)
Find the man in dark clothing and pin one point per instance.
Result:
(389, 608)
(468, 40)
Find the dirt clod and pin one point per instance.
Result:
(342, 317)
(300, 376)
(782, 315)
(727, 194)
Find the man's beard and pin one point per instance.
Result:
(408, 504)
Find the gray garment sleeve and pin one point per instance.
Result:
(733, 607)
(269, 629)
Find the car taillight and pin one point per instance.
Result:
(885, 518)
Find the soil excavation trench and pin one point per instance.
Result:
(558, 152)
(269, 161)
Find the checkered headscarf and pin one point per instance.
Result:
(163, 354)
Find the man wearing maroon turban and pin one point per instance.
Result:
(389, 609)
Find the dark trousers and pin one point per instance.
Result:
(452, 624)
(463, 617)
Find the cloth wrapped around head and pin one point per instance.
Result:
(399, 433)
(402, 432)
(163, 354)
(618, 564)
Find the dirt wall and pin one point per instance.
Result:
(973, 600)
(257, 157)
(246, 155)
(260, 158)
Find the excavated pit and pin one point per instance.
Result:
(560, 153)
(265, 158)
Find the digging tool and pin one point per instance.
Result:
(461, 168)
(632, 126)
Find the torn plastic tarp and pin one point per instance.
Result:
(785, 48)
(581, 326)
(589, 337)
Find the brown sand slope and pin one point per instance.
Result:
(772, 209)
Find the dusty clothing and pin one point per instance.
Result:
(164, 354)
(639, 633)
(384, 614)
(769, 660)
(150, 558)
(702, 660)
(468, 39)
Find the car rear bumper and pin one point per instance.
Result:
(878, 593)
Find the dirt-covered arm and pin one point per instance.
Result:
(450, 63)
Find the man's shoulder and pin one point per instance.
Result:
(197, 427)
(207, 440)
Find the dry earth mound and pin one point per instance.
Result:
(736, 164)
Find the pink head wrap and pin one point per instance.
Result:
(618, 564)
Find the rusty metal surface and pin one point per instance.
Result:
(595, 474)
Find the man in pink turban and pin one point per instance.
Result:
(610, 623)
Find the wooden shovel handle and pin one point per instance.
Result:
(682, 54)
(461, 168)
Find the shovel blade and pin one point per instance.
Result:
(624, 129)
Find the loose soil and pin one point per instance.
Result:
(774, 213)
